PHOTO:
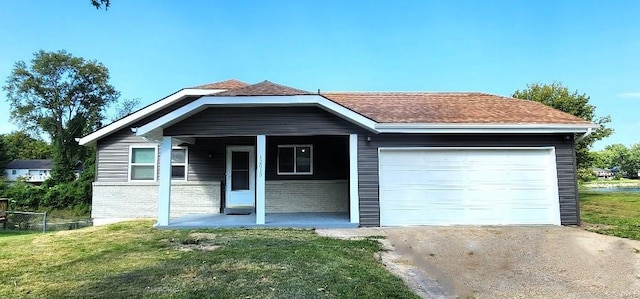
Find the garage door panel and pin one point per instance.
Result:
(468, 186)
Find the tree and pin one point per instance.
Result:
(124, 108)
(98, 4)
(19, 145)
(632, 165)
(558, 96)
(618, 155)
(4, 157)
(63, 96)
(611, 156)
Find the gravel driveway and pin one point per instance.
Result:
(509, 262)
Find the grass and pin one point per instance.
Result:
(611, 213)
(613, 183)
(133, 259)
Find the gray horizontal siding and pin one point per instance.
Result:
(368, 165)
(207, 160)
(251, 121)
(112, 154)
(567, 183)
(112, 158)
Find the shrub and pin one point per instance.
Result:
(23, 195)
(72, 195)
(585, 175)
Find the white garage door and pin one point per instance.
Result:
(469, 186)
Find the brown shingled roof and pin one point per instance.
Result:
(227, 84)
(264, 88)
(480, 108)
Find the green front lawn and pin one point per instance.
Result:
(611, 213)
(133, 259)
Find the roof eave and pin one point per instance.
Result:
(92, 138)
(475, 128)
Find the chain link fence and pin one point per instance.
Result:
(32, 221)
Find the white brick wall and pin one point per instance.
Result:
(119, 201)
(128, 200)
(307, 196)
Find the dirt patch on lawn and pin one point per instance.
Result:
(200, 247)
(198, 241)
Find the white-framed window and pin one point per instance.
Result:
(143, 160)
(14, 172)
(179, 163)
(295, 159)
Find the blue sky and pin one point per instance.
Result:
(153, 48)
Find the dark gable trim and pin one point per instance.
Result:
(252, 121)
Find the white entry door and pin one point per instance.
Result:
(241, 177)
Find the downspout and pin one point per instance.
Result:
(589, 131)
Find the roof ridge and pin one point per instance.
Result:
(264, 88)
(284, 86)
(226, 84)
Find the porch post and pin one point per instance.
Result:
(261, 150)
(164, 191)
(354, 200)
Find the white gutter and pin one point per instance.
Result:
(469, 128)
(589, 131)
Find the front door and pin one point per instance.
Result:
(241, 177)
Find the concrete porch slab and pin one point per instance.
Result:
(281, 220)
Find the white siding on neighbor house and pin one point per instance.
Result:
(130, 200)
(307, 196)
(30, 175)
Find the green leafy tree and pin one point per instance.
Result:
(618, 155)
(99, 4)
(19, 145)
(633, 163)
(611, 156)
(63, 96)
(558, 96)
(4, 157)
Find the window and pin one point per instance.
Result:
(14, 172)
(179, 163)
(142, 163)
(295, 159)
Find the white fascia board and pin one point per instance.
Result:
(483, 128)
(255, 101)
(144, 112)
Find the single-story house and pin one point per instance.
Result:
(377, 158)
(602, 173)
(33, 171)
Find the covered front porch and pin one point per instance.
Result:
(268, 198)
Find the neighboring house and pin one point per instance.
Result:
(602, 173)
(379, 158)
(33, 171)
